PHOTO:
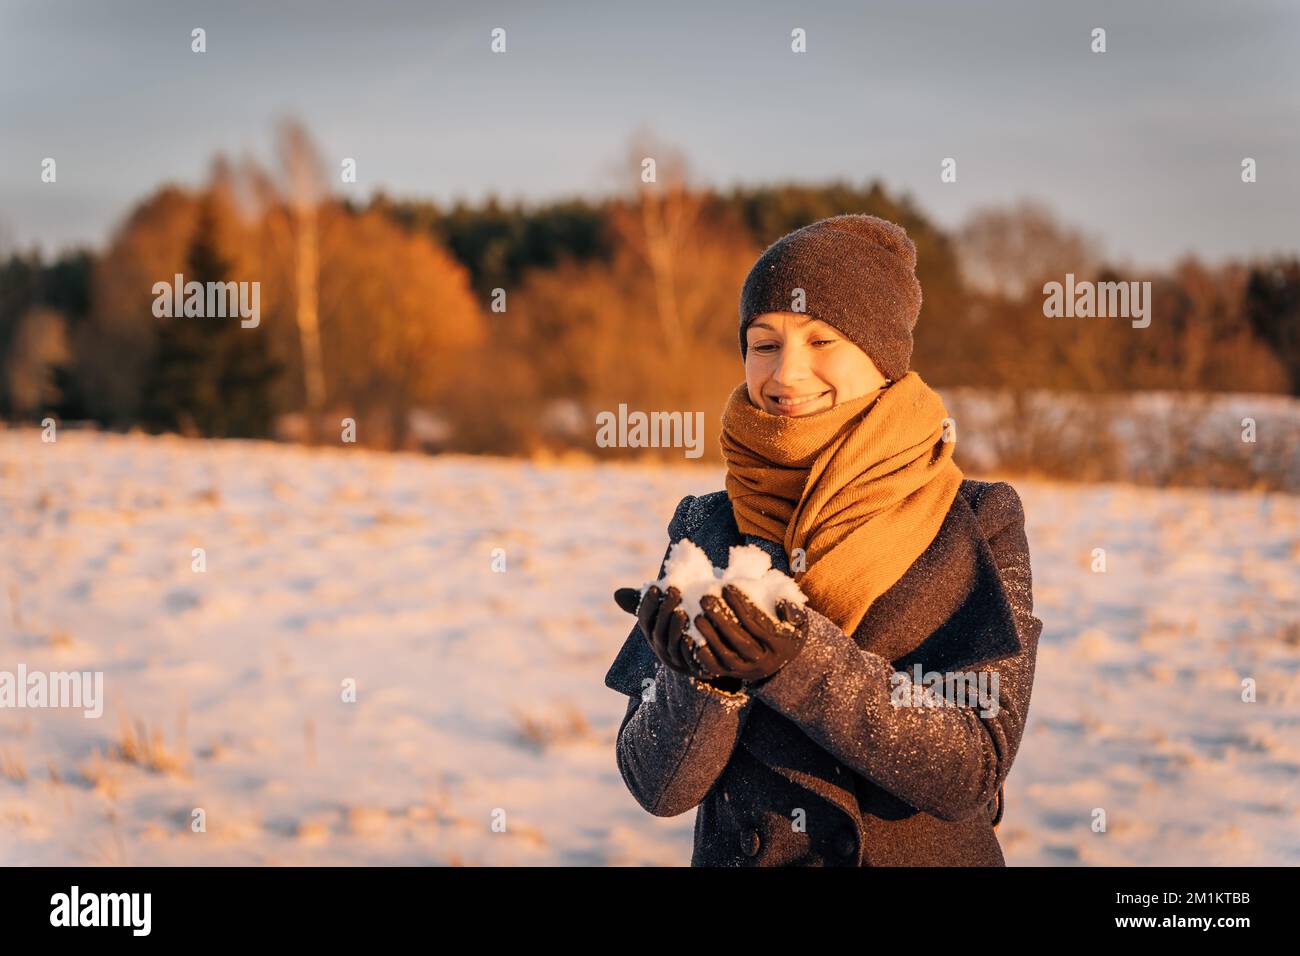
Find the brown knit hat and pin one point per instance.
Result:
(858, 275)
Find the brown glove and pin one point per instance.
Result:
(664, 625)
(742, 641)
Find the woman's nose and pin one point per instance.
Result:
(791, 364)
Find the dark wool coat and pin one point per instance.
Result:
(815, 766)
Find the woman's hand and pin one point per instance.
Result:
(742, 641)
(664, 624)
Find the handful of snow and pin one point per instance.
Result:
(749, 568)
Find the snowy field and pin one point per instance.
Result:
(479, 694)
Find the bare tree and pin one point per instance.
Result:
(1010, 251)
(304, 185)
(40, 345)
(667, 215)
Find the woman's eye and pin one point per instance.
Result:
(824, 342)
(765, 348)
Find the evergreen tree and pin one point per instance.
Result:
(1273, 307)
(210, 376)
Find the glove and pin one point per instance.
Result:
(741, 641)
(664, 625)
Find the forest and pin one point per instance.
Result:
(509, 329)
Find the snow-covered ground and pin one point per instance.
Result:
(479, 694)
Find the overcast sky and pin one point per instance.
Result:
(1140, 146)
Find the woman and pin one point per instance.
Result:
(794, 735)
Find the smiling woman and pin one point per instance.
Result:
(791, 733)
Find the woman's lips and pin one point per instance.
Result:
(778, 408)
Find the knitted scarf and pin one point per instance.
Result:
(861, 487)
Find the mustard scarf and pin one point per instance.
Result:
(861, 487)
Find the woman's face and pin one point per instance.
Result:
(798, 365)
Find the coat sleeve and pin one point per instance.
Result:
(946, 761)
(678, 734)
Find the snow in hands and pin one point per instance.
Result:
(748, 567)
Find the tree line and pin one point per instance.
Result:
(512, 326)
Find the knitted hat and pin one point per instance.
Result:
(858, 275)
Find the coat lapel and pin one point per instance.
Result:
(950, 610)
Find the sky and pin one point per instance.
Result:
(1140, 147)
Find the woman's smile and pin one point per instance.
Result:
(794, 404)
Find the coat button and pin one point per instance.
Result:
(846, 844)
(750, 843)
